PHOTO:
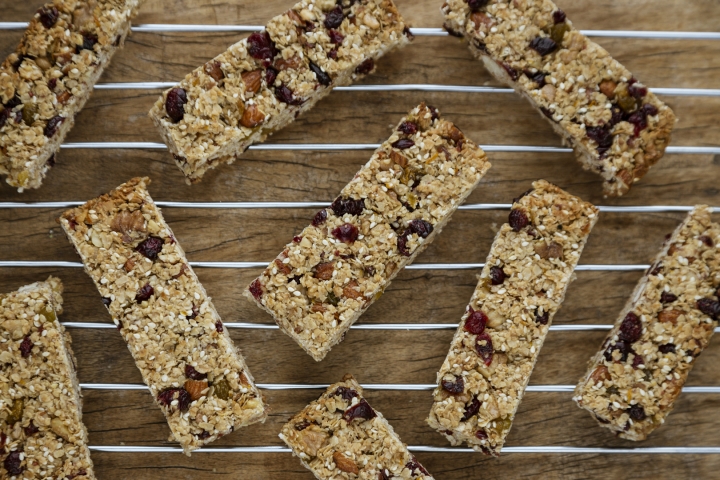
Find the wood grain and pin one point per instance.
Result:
(417, 296)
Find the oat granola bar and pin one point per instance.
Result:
(521, 287)
(50, 76)
(340, 436)
(617, 127)
(635, 378)
(172, 329)
(41, 429)
(339, 265)
(262, 83)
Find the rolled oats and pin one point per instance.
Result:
(340, 436)
(493, 353)
(392, 209)
(50, 76)
(40, 401)
(170, 324)
(617, 127)
(260, 84)
(633, 381)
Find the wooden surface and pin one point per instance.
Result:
(419, 296)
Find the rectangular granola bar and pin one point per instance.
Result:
(617, 127)
(340, 436)
(633, 381)
(185, 354)
(521, 287)
(262, 83)
(392, 209)
(41, 429)
(50, 76)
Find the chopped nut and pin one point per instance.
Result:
(312, 439)
(600, 374)
(344, 463)
(547, 251)
(196, 388)
(126, 222)
(669, 316)
(398, 158)
(324, 271)
(284, 268)
(252, 117)
(213, 69)
(60, 429)
(349, 290)
(252, 80)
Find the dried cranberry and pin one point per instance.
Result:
(706, 240)
(667, 348)
(621, 346)
(546, 112)
(48, 16)
(616, 116)
(341, 206)
(106, 301)
(256, 289)
(559, 16)
(413, 465)
(333, 53)
(458, 386)
(145, 292)
(26, 346)
(285, 95)
(419, 227)
(403, 143)
(13, 463)
(514, 74)
(667, 297)
(175, 104)
(601, 136)
(637, 413)
(476, 5)
(471, 409)
(481, 435)
(656, 269)
(322, 77)
(261, 46)
(365, 67)
(383, 474)
(89, 41)
(347, 394)
(497, 275)
(542, 318)
(517, 219)
(649, 110)
(346, 233)
(302, 425)
(193, 374)
(537, 77)
(167, 396)
(51, 161)
(334, 17)
(319, 218)
(360, 410)
(203, 435)
(630, 328)
(52, 125)
(270, 76)
(637, 361)
(219, 326)
(408, 128)
(336, 38)
(150, 247)
(31, 429)
(639, 120)
(476, 322)
(709, 307)
(543, 45)
(484, 347)
(637, 90)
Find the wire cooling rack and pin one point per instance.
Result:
(161, 28)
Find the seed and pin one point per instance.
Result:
(175, 104)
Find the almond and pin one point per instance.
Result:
(252, 80)
(282, 267)
(669, 316)
(324, 271)
(213, 69)
(292, 62)
(607, 87)
(196, 388)
(600, 374)
(345, 464)
(252, 117)
(312, 439)
(398, 158)
(551, 250)
(349, 290)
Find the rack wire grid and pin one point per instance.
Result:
(480, 90)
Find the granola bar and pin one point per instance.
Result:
(521, 287)
(633, 381)
(50, 76)
(340, 436)
(340, 264)
(172, 329)
(41, 429)
(617, 127)
(260, 84)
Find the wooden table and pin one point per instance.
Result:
(129, 417)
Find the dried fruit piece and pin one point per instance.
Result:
(345, 464)
(253, 80)
(193, 374)
(414, 465)
(476, 322)
(319, 218)
(270, 76)
(256, 289)
(169, 395)
(360, 410)
(543, 45)
(403, 143)
(341, 206)
(630, 328)
(144, 293)
(667, 348)
(88, 41)
(151, 247)
(52, 126)
(322, 77)
(195, 388)
(175, 104)
(261, 46)
(26, 346)
(558, 31)
(709, 307)
(484, 347)
(16, 411)
(221, 389)
(518, 219)
(471, 409)
(334, 17)
(559, 16)
(601, 136)
(285, 95)
(346, 393)
(542, 318)
(408, 128)
(623, 347)
(13, 463)
(252, 117)
(636, 412)
(667, 297)
(346, 233)
(48, 15)
(31, 429)
(476, 5)
(456, 387)
(365, 67)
